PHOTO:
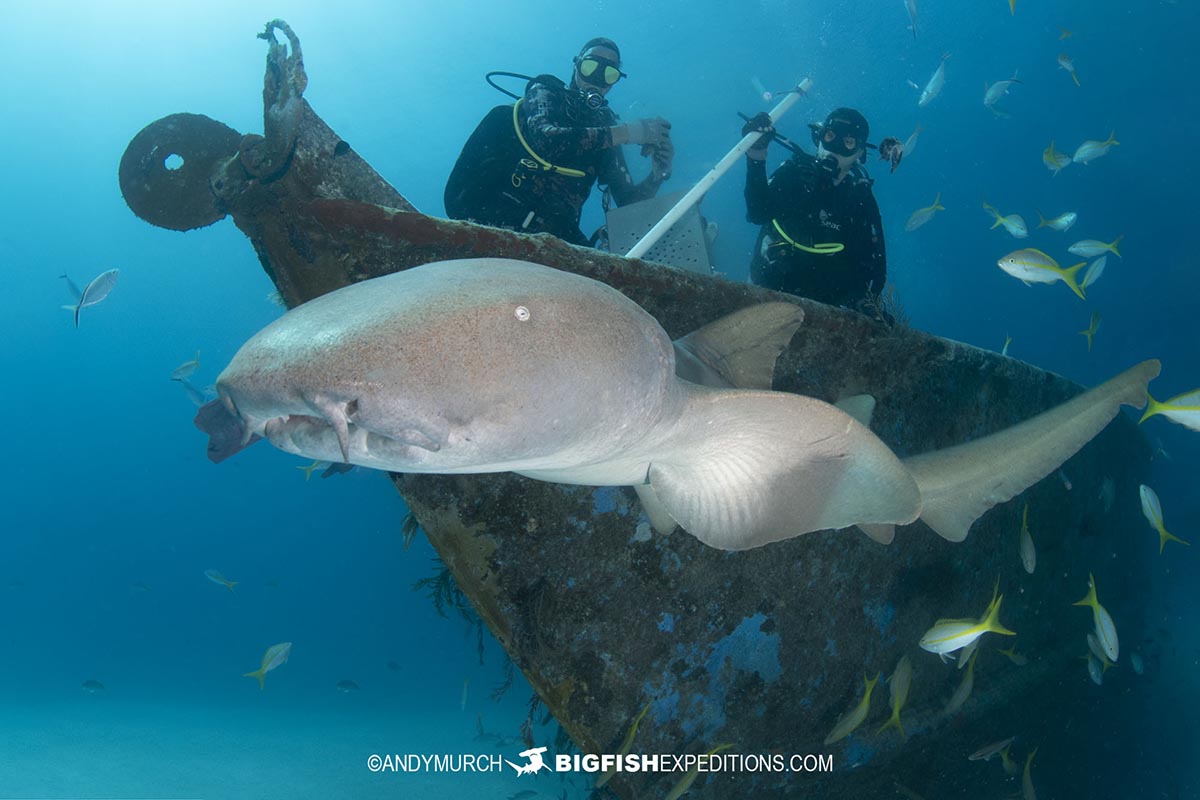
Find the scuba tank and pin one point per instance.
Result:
(488, 181)
(483, 168)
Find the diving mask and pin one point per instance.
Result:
(844, 133)
(839, 139)
(599, 71)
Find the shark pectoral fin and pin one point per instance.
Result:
(859, 406)
(660, 519)
(743, 347)
(744, 468)
(884, 534)
(960, 483)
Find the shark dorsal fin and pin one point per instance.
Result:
(741, 347)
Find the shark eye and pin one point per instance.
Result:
(522, 313)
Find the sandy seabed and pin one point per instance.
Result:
(100, 748)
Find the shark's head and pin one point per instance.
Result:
(444, 368)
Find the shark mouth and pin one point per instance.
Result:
(332, 435)
(341, 439)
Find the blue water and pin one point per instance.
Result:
(111, 513)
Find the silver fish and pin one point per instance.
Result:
(1089, 248)
(276, 655)
(1092, 149)
(1054, 160)
(1094, 271)
(1065, 62)
(186, 369)
(1013, 223)
(993, 93)
(963, 692)
(923, 215)
(910, 144)
(216, 577)
(986, 752)
(1095, 672)
(936, 82)
(93, 293)
(1062, 222)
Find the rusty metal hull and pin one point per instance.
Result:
(762, 649)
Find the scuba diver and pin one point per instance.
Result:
(530, 166)
(821, 235)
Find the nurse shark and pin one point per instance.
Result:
(495, 365)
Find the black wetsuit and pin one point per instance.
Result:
(802, 200)
(513, 191)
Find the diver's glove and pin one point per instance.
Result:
(759, 123)
(652, 131)
(661, 158)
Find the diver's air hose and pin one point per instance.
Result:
(545, 165)
(819, 248)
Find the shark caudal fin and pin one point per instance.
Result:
(741, 348)
(745, 468)
(960, 483)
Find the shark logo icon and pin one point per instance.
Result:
(536, 763)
